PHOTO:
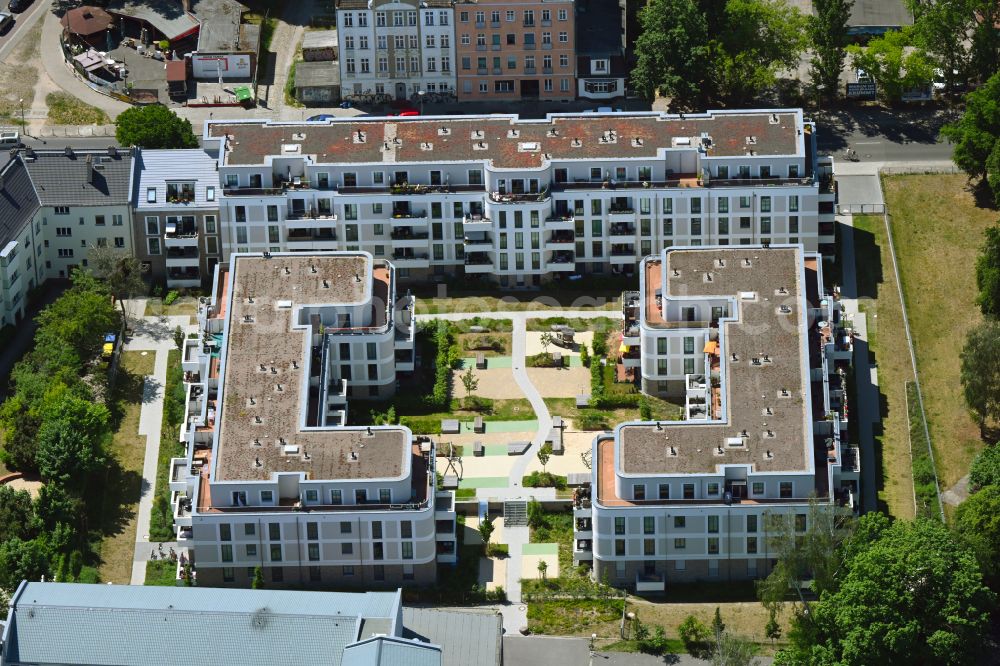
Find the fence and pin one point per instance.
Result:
(860, 209)
(926, 491)
(919, 169)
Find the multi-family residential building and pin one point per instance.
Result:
(272, 477)
(518, 49)
(601, 67)
(396, 47)
(176, 215)
(758, 352)
(523, 201)
(80, 625)
(54, 207)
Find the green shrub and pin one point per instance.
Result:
(171, 297)
(540, 360)
(544, 480)
(694, 634)
(584, 356)
(592, 420)
(536, 514)
(645, 410)
(499, 550)
(88, 575)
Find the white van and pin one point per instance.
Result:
(9, 139)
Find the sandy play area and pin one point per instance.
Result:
(575, 443)
(494, 383)
(560, 382)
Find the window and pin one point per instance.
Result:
(150, 196)
(713, 546)
(348, 571)
(312, 531)
(713, 524)
(225, 532)
(384, 495)
(680, 522)
(639, 491)
(664, 491)
(619, 525)
(713, 488)
(274, 531)
(752, 524)
(249, 529)
(648, 525)
(688, 491)
(275, 552)
(680, 543)
(277, 574)
(251, 550)
(154, 246)
(793, 224)
(376, 529)
(360, 496)
(793, 204)
(619, 546)
(378, 551)
(765, 204)
(406, 529)
(800, 522)
(347, 548)
(649, 547)
(119, 241)
(765, 225)
(723, 226)
(228, 573)
(688, 345)
(785, 489)
(267, 497)
(337, 497)
(564, 60)
(312, 495)
(407, 547)
(751, 545)
(314, 552)
(345, 527)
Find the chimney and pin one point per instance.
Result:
(68, 151)
(112, 151)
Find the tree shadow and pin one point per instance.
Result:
(982, 194)
(120, 492)
(128, 390)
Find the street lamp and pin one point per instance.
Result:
(421, 93)
(23, 131)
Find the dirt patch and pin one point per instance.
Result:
(746, 618)
(19, 76)
(496, 383)
(560, 382)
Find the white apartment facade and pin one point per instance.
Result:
(765, 425)
(520, 202)
(272, 477)
(56, 206)
(396, 47)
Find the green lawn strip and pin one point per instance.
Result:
(465, 493)
(483, 482)
(673, 646)
(937, 228)
(161, 573)
(492, 363)
(540, 549)
(577, 324)
(878, 297)
(64, 109)
(495, 450)
(924, 480)
(563, 617)
(161, 517)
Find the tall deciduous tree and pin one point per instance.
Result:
(909, 593)
(120, 271)
(17, 515)
(81, 317)
(71, 441)
(672, 52)
(985, 39)
(980, 373)
(828, 31)
(976, 135)
(941, 28)
(977, 520)
(988, 274)
(985, 470)
(895, 67)
(22, 560)
(154, 126)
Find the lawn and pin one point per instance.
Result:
(937, 229)
(161, 516)
(19, 77)
(162, 573)
(597, 324)
(414, 414)
(122, 484)
(185, 305)
(557, 528)
(64, 109)
(490, 344)
(879, 299)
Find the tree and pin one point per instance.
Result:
(544, 454)
(536, 514)
(977, 521)
(545, 340)
(895, 67)
(645, 409)
(909, 593)
(980, 372)
(71, 441)
(772, 629)
(730, 650)
(988, 274)
(694, 634)
(828, 30)
(258, 579)
(154, 126)
(985, 470)
(22, 560)
(672, 53)
(179, 338)
(811, 557)
(470, 382)
(941, 29)
(976, 135)
(17, 516)
(542, 568)
(20, 426)
(985, 39)
(584, 356)
(486, 528)
(80, 318)
(120, 271)
(718, 627)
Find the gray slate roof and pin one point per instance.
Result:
(317, 74)
(155, 167)
(125, 625)
(60, 177)
(467, 638)
(390, 651)
(18, 201)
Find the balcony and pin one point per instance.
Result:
(186, 276)
(476, 221)
(559, 240)
(826, 229)
(318, 239)
(478, 262)
(622, 231)
(583, 550)
(560, 222)
(181, 234)
(408, 259)
(583, 528)
(623, 254)
(444, 505)
(182, 511)
(182, 256)
(511, 198)
(407, 237)
(478, 241)
(530, 71)
(649, 583)
(311, 214)
(407, 215)
(446, 552)
(178, 474)
(621, 213)
(562, 261)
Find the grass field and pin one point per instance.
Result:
(19, 76)
(185, 305)
(937, 229)
(122, 486)
(64, 109)
(162, 573)
(878, 297)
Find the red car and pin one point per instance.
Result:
(409, 112)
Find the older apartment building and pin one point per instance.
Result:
(758, 352)
(518, 49)
(523, 201)
(176, 215)
(55, 205)
(396, 47)
(272, 477)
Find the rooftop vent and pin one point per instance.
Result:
(291, 148)
(733, 357)
(721, 263)
(478, 134)
(769, 434)
(256, 441)
(708, 277)
(746, 262)
(480, 145)
(772, 119)
(576, 143)
(354, 456)
(326, 284)
(360, 137)
(610, 136)
(528, 147)
(681, 141)
(257, 462)
(290, 449)
(426, 145)
(734, 442)
(284, 304)
(279, 388)
(769, 454)
(312, 269)
(751, 140)
(357, 277)
(288, 271)
(444, 131)
(247, 319)
(513, 133)
(637, 142)
(784, 393)
(553, 132)
(671, 451)
(748, 295)
(257, 420)
(677, 273)
(781, 291)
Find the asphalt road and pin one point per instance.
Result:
(22, 24)
(881, 135)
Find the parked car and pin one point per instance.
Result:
(604, 109)
(6, 22)
(10, 139)
(322, 116)
(18, 5)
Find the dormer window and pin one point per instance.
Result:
(180, 192)
(599, 66)
(150, 195)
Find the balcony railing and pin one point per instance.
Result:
(409, 214)
(300, 236)
(253, 191)
(529, 197)
(477, 259)
(404, 233)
